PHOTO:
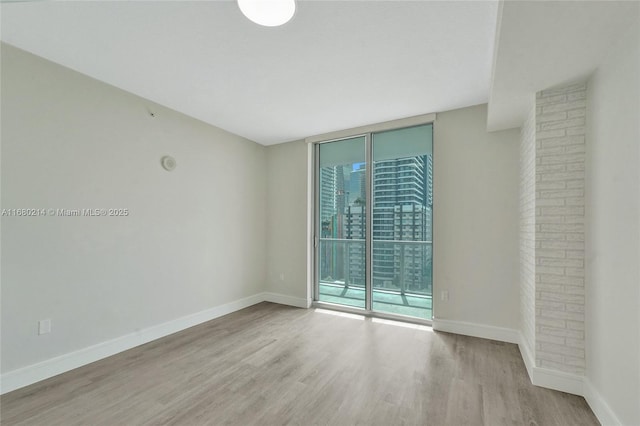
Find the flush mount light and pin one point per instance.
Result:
(269, 13)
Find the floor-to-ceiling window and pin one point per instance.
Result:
(341, 213)
(374, 200)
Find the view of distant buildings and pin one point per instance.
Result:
(402, 232)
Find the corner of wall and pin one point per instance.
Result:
(599, 406)
(552, 182)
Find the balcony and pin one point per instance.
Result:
(402, 277)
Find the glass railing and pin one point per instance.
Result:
(342, 261)
(401, 266)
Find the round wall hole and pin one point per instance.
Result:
(168, 163)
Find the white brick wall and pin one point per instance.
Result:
(559, 229)
(527, 228)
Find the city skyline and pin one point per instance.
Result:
(402, 206)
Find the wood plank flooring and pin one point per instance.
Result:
(271, 365)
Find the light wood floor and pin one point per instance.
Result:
(271, 364)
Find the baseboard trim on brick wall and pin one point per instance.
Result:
(30, 374)
(577, 385)
(543, 377)
(570, 383)
(547, 378)
(558, 380)
(477, 330)
(283, 299)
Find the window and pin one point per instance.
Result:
(374, 218)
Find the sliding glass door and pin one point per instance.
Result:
(376, 256)
(341, 205)
(402, 189)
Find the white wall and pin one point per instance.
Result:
(613, 230)
(287, 219)
(194, 239)
(476, 221)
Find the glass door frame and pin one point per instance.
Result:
(366, 132)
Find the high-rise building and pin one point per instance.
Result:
(402, 212)
(400, 181)
(402, 191)
(355, 231)
(428, 174)
(327, 193)
(341, 194)
(332, 207)
(357, 187)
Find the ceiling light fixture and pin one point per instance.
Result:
(269, 13)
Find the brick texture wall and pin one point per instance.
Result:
(559, 228)
(527, 228)
(552, 265)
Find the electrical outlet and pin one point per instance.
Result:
(444, 295)
(281, 276)
(44, 326)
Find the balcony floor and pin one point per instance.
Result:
(383, 301)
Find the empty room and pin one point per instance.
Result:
(270, 212)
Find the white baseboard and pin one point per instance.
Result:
(527, 356)
(539, 376)
(547, 378)
(283, 299)
(606, 416)
(43, 370)
(570, 383)
(543, 377)
(558, 380)
(477, 330)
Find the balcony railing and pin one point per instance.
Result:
(399, 266)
